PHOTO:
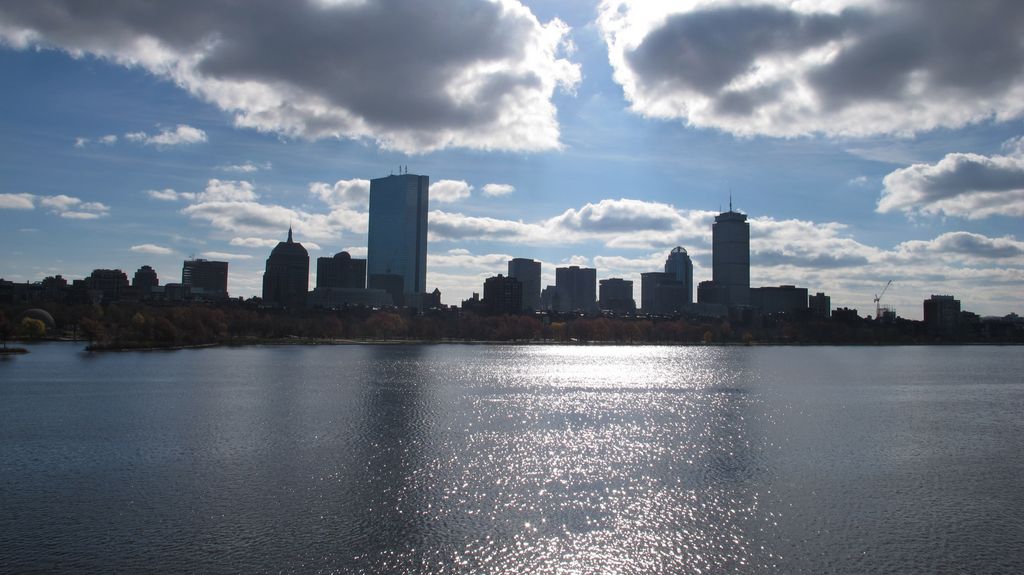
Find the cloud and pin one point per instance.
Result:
(222, 256)
(81, 142)
(181, 135)
(498, 189)
(246, 168)
(234, 207)
(108, 140)
(17, 202)
(839, 68)
(73, 208)
(971, 186)
(858, 181)
(353, 193)
(456, 226)
(965, 246)
(448, 191)
(412, 76)
(152, 249)
(169, 195)
(253, 242)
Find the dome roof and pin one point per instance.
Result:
(41, 315)
(342, 256)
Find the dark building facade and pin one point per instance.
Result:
(206, 279)
(341, 271)
(616, 295)
(577, 289)
(680, 267)
(730, 261)
(145, 280)
(941, 313)
(781, 299)
(820, 305)
(105, 286)
(502, 295)
(286, 279)
(527, 271)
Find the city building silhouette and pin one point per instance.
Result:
(730, 261)
(577, 289)
(340, 271)
(206, 279)
(527, 271)
(396, 258)
(616, 295)
(820, 305)
(286, 279)
(145, 280)
(680, 267)
(502, 295)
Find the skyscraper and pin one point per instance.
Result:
(286, 279)
(616, 295)
(527, 271)
(577, 288)
(397, 240)
(680, 267)
(208, 279)
(730, 260)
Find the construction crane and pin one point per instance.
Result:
(878, 298)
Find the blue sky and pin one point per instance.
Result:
(866, 141)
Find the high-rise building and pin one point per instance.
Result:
(208, 279)
(680, 266)
(503, 295)
(341, 271)
(527, 271)
(106, 285)
(941, 312)
(286, 279)
(730, 261)
(616, 295)
(820, 305)
(577, 288)
(661, 293)
(397, 238)
(145, 280)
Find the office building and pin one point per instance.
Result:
(941, 313)
(340, 271)
(662, 294)
(396, 258)
(286, 279)
(145, 280)
(206, 279)
(502, 295)
(577, 289)
(680, 267)
(105, 286)
(616, 295)
(527, 271)
(781, 299)
(820, 305)
(730, 261)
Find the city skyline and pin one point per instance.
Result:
(121, 155)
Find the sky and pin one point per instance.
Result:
(867, 141)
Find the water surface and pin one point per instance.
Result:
(509, 459)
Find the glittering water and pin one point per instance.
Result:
(502, 459)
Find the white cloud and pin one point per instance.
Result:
(858, 181)
(73, 208)
(971, 186)
(842, 67)
(498, 189)
(448, 191)
(222, 256)
(246, 168)
(108, 140)
(182, 135)
(17, 202)
(228, 191)
(253, 242)
(353, 193)
(152, 249)
(409, 75)
(81, 142)
(169, 195)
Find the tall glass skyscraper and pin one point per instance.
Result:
(396, 258)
